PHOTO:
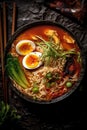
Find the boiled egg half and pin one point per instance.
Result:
(24, 47)
(32, 60)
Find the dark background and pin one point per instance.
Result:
(68, 114)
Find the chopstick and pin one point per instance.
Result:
(2, 59)
(14, 18)
(5, 24)
(3, 41)
(3, 34)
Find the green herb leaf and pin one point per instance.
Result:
(7, 113)
(52, 50)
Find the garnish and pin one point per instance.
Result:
(68, 84)
(14, 70)
(7, 113)
(52, 50)
(50, 79)
(35, 88)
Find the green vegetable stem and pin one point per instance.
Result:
(14, 70)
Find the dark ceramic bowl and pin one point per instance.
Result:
(73, 89)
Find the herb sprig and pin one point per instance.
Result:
(7, 113)
(51, 50)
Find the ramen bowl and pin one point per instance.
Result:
(44, 62)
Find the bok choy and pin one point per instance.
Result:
(14, 71)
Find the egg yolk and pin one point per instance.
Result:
(32, 61)
(25, 48)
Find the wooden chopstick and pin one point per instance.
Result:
(3, 42)
(14, 18)
(4, 37)
(4, 24)
(2, 56)
(13, 25)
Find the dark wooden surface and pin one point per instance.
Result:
(69, 114)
